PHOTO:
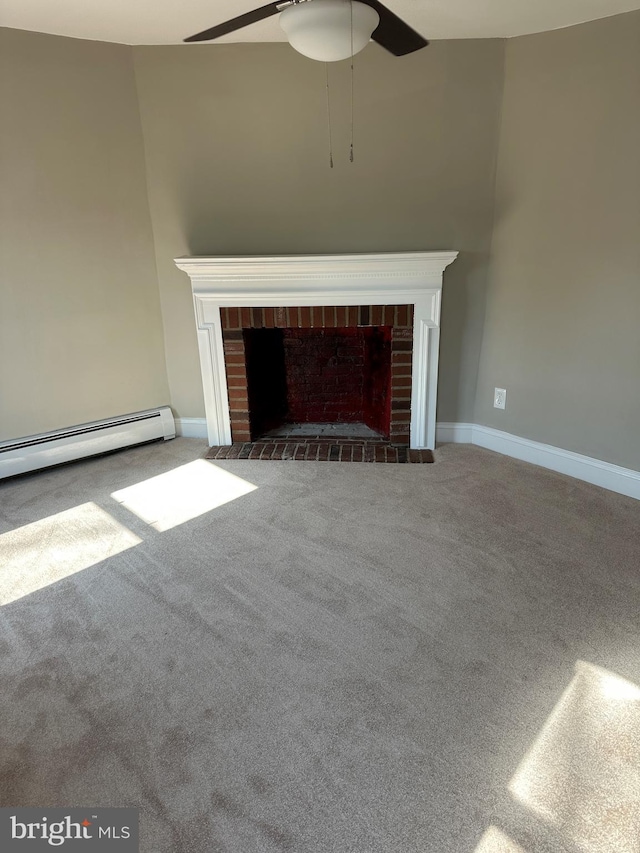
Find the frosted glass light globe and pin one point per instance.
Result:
(321, 29)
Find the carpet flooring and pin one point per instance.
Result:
(354, 658)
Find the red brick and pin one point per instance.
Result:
(232, 335)
(400, 371)
(239, 426)
(233, 318)
(333, 450)
(402, 334)
(398, 378)
(236, 371)
(399, 438)
(403, 315)
(235, 358)
(237, 382)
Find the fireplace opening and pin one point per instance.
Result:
(303, 379)
(351, 367)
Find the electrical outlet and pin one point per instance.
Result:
(500, 398)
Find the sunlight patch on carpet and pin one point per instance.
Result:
(582, 774)
(181, 494)
(495, 841)
(39, 554)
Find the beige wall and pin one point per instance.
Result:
(562, 331)
(80, 326)
(237, 163)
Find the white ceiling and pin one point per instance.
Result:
(169, 21)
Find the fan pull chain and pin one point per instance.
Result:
(326, 65)
(351, 147)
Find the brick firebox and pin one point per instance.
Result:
(393, 321)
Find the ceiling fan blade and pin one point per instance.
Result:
(393, 34)
(237, 23)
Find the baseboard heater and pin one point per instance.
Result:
(64, 445)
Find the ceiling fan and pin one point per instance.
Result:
(329, 30)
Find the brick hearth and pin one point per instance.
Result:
(310, 450)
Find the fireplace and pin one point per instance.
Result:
(273, 331)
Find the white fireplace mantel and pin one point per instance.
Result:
(413, 278)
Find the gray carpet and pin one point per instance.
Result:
(374, 658)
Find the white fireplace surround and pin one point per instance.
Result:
(406, 278)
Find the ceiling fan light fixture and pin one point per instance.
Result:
(321, 29)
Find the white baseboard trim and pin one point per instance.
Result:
(191, 427)
(454, 433)
(625, 481)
